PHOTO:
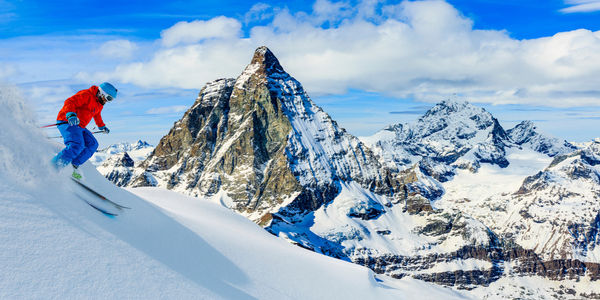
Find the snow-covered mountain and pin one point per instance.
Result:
(585, 144)
(116, 162)
(166, 246)
(118, 168)
(56, 246)
(519, 183)
(261, 140)
(136, 151)
(260, 146)
(526, 135)
(553, 212)
(456, 135)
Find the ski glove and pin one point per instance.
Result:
(104, 129)
(72, 119)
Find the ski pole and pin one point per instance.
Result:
(59, 123)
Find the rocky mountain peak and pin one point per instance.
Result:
(527, 124)
(523, 132)
(265, 62)
(459, 124)
(453, 134)
(526, 134)
(125, 160)
(451, 105)
(261, 141)
(591, 154)
(259, 145)
(141, 144)
(450, 109)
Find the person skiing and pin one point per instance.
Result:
(75, 115)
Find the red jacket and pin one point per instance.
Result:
(85, 104)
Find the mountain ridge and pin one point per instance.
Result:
(262, 116)
(259, 145)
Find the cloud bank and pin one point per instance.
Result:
(425, 50)
(196, 31)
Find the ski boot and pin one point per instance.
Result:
(76, 173)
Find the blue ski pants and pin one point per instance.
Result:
(80, 145)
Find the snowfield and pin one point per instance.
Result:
(492, 180)
(167, 246)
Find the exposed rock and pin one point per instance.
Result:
(523, 263)
(263, 141)
(121, 168)
(262, 146)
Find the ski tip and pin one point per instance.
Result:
(104, 212)
(112, 216)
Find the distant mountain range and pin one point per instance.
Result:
(116, 161)
(137, 151)
(452, 198)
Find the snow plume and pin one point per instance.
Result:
(425, 50)
(24, 150)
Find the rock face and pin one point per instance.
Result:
(118, 168)
(259, 145)
(263, 142)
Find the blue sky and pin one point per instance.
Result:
(367, 63)
(145, 19)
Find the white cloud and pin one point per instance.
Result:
(581, 6)
(325, 10)
(196, 31)
(51, 93)
(258, 12)
(188, 66)
(121, 49)
(53, 57)
(425, 50)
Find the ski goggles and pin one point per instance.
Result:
(106, 95)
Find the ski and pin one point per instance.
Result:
(89, 189)
(106, 213)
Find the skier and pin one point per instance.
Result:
(72, 119)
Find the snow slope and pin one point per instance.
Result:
(276, 269)
(491, 180)
(166, 246)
